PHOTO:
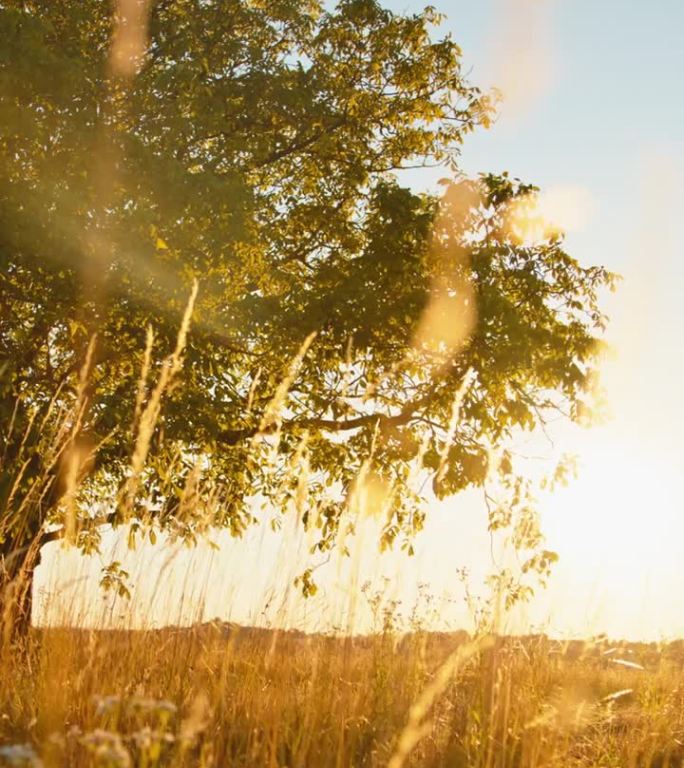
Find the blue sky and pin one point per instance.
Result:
(611, 102)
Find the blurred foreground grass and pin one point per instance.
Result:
(220, 695)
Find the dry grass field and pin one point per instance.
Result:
(218, 695)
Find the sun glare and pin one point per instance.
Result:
(616, 529)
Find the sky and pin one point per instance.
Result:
(592, 111)
(592, 114)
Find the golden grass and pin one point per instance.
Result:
(218, 695)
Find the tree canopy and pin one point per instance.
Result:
(345, 326)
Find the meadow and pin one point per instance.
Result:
(222, 695)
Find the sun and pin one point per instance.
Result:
(619, 536)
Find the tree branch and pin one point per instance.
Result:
(404, 416)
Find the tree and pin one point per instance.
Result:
(343, 324)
